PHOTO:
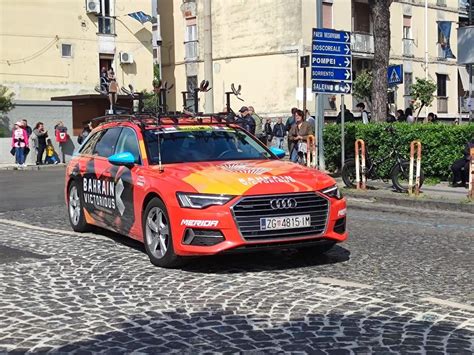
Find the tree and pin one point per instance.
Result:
(6, 100)
(422, 92)
(362, 87)
(380, 11)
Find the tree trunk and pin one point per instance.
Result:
(380, 10)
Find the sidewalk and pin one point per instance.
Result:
(439, 197)
(30, 167)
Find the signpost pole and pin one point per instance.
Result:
(304, 91)
(320, 98)
(342, 132)
(470, 92)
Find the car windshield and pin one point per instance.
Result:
(199, 144)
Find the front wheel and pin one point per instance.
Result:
(400, 176)
(157, 235)
(75, 209)
(349, 173)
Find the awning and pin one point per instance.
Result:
(464, 78)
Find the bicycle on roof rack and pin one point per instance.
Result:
(399, 171)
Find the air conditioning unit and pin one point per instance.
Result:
(126, 58)
(93, 6)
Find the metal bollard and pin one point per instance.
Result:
(416, 186)
(471, 175)
(360, 149)
(311, 154)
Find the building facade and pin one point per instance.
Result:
(257, 44)
(57, 48)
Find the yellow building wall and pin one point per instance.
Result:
(31, 34)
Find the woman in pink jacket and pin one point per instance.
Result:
(19, 143)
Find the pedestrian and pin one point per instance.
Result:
(268, 131)
(87, 128)
(51, 155)
(409, 115)
(245, 120)
(400, 116)
(279, 132)
(298, 135)
(113, 87)
(41, 135)
(460, 167)
(290, 121)
(104, 81)
(363, 113)
(432, 118)
(348, 116)
(310, 119)
(19, 144)
(28, 129)
(60, 132)
(259, 133)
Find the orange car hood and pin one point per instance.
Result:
(248, 177)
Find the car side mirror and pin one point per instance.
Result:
(122, 159)
(280, 153)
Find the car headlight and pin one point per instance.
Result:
(190, 200)
(332, 192)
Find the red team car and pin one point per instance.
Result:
(188, 188)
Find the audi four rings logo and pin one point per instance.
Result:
(283, 203)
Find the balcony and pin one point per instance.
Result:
(362, 43)
(442, 104)
(408, 47)
(106, 25)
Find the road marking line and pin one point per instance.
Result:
(446, 303)
(337, 282)
(50, 230)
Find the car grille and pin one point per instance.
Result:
(248, 211)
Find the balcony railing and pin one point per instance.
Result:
(408, 47)
(363, 43)
(442, 104)
(106, 25)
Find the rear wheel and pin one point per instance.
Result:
(157, 235)
(349, 173)
(75, 210)
(400, 176)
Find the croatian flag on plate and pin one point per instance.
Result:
(140, 16)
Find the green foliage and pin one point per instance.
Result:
(150, 101)
(362, 87)
(423, 92)
(6, 100)
(441, 144)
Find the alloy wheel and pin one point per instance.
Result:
(157, 232)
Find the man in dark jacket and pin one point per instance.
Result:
(246, 120)
(460, 167)
(279, 132)
(348, 116)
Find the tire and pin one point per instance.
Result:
(157, 235)
(400, 174)
(349, 173)
(75, 209)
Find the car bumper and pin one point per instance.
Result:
(214, 230)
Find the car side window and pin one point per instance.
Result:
(105, 147)
(128, 142)
(88, 147)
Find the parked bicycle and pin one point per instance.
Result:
(399, 172)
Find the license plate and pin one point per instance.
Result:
(289, 222)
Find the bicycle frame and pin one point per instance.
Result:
(372, 172)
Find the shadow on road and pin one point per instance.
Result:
(226, 332)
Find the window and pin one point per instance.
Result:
(105, 147)
(442, 90)
(327, 15)
(191, 41)
(91, 140)
(128, 142)
(361, 17)
(106, 18)
(66, 50)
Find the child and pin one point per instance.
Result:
(51, 156)
(19, 144)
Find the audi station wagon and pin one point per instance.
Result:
(193, 187)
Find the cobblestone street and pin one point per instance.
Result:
(393, 287)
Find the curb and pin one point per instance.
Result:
(413, 202)
(33, 167)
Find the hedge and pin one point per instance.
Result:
(441, 144)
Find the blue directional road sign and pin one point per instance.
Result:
(331, 62)
(331, 87)
(395, 74)
(331, 74)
